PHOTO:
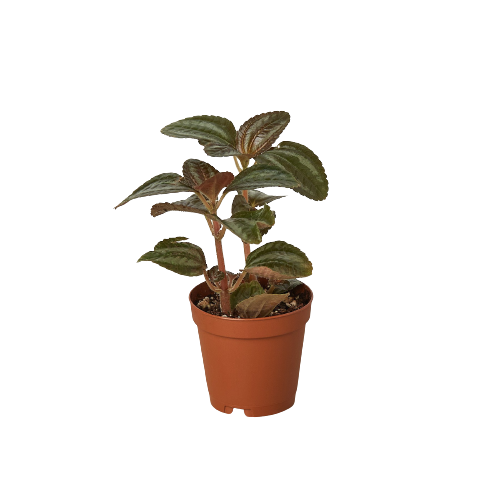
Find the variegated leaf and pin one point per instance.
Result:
(258, 198)
(219, 150)
(204, 128)
(215, 275)
(286, 286)
(192, 204)
(196, 172)
(264, 217)
(160, 184)
(247, 230)
(167, 242)
(257, 134)
(302, 164)
(180, 257)
(278, 261)
(240, 204)
(258, 176)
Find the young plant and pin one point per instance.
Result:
(289, 164)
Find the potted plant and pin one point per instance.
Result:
(251, 323)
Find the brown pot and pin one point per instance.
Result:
(251, 364)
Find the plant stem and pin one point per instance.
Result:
(220, 201)
(237, 164)
(224, 293)
(204, 201)
(238, 282)
(246, 246)
(210, 226)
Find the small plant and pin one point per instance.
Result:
(289, 165)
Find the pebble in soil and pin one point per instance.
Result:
(211, 304)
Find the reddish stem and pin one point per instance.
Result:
(224, 294)
(246, 246)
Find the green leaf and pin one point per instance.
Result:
(259, 306)
(265, 229)
(161, 208)
(304, 166)
(205, 128)
(258, 176)
(246, 230)
(213, 186)
(161, 184)
(278, 261)
(286, 286)
(218, 150)
(264, 217)
(257, 134)
(193, 201)
(182, 258)
(244, 291)
(258, 198)
(167, 242)
(196, 172)
(239, 204)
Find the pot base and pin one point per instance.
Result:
(257, 411)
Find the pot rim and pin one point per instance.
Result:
(267, 318)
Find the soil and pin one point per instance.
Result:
(294, 302)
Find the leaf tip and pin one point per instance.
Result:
(120, 204)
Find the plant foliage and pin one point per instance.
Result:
(287, 165)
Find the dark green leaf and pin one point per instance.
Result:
(239, 204)
(259, 306)
(258, 198)
(257, 134)
(286, 286)
(265, 229)
(196, 172)
(167, 242)
(304, 166)
(244, 291)
(218, 150)
(258, 176)
(182, 258)
(278, 261)
(161, 184)
(264, 217)
(245, 229)
(161, 208)
(205, 128)
(193, 201)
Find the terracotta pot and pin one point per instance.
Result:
(251, 364)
